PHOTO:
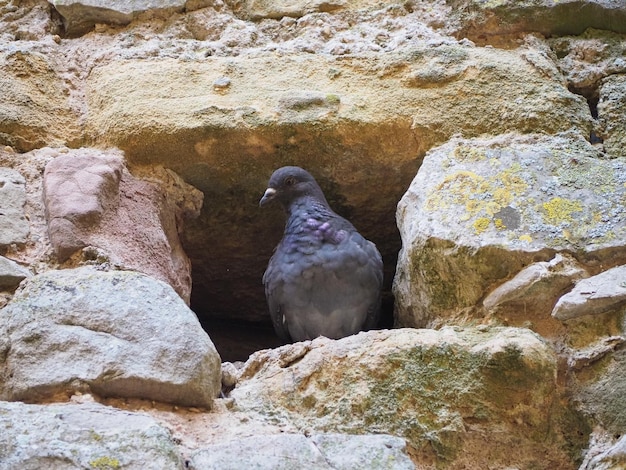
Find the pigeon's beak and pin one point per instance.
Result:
(270, 193)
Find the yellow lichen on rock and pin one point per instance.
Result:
(558, 210)
(481, 224)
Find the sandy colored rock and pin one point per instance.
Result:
(14, 226)
(113, 333)
(479, 211)
(612, 114)
(73, 437)
(448, 392)
(35, 111)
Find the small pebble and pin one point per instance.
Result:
(221, 83)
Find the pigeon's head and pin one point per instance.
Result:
(290, 183)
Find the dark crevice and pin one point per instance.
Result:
(592, 96)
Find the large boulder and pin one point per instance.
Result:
(466, 397)
(115, 333)
(74, 437)
(480, 211)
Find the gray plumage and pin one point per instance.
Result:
(324, 278)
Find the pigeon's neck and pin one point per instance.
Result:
(308, 206)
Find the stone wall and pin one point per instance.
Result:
(479, 144)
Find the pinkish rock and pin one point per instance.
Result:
(93, 201)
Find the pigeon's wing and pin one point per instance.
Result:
(273, 288)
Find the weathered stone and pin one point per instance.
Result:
(609, 459)
(308, 111)
(587, 59)
(29, 20)
(258, 9)
(612, 114)
(479, 211)
(35, 111)
(480, 20)
(78, 189)
(443, 390)
(605, 292)
(540, 282)
(68, 437)
(11, 273)
(13, 223)
(81, 16)
(317, 452)
(115, 333)
(92, 200)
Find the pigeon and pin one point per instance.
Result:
(324, 278)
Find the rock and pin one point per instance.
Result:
(612, 458)
(480, 210)
(36, 111)
(81, 16)
(78, 189)
(11, 273)
(605, 292)
(317, 452)
(588, 59)
(92, 200)
(443, 390)
(259, 9)
(14, 226)
(64, 437)
(480, 19)
(612, 114)
(317, 99)
(538, 282)
(114, 333)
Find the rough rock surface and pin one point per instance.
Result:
(480, 19)
(13, 224)
(113, 333)
(92, 200)
(480, 210)
(318, 452)
(602, 293)
(612, 114)
(71, 436)
(11, 273)
(445, 391)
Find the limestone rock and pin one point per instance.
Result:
(258, 9)
(443, 390)
(609, 459)
(228, 142)
(602, 293)
(68, 437)
(538, 283)
(35, 110)
(14, 226)
(115, 333)
(480, 19)
(479, 211)
(11, 273)
(612, 114)
(81, 16)
(92, 200)
(317, 452)
(588, 59)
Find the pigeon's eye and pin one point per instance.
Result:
(290, 181)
